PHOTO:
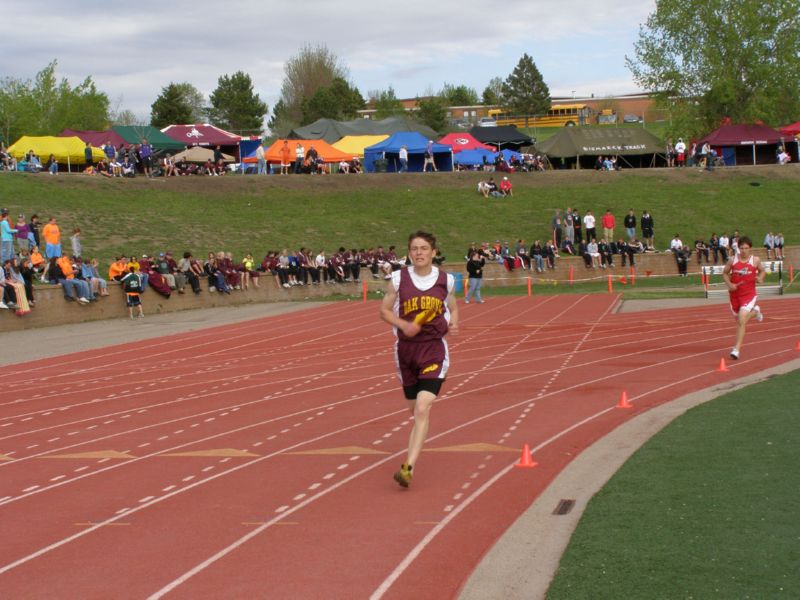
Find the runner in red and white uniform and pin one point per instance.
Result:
(741, 274)
(420, 304)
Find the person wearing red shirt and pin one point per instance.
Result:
(741, 274)
(609, 222)
(506, 188)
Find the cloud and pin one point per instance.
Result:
(411, 46)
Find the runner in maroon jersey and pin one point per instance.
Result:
(420, 304)
(741, 273)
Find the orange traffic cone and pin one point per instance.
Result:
(526, 460)
(797, 346)
(722, 368)
(623, 401)
(648, 273)
(623, 280)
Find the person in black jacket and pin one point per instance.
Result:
(475, 271)
(646, 223)
(630, 224)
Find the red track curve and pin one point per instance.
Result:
(297, 423)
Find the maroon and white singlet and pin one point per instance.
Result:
(425, 355)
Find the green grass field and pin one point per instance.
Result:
(250, 214)
(707, 509)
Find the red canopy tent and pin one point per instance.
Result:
(464, 141)
(791, 130)
(201, 135)
(97, 139)
(738, 139)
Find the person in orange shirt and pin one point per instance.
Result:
(286, 158)
(52, 239)
(118, 269)
(65, 264)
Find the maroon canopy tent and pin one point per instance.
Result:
(201, 135)
(97, 139)
(743, 143)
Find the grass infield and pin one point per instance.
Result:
(256, 214)
(706, 509)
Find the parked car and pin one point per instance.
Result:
(631, 119)
(487, 122)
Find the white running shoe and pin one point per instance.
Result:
(759, 315)
(735, 354)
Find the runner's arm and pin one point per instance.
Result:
(387, 313)
(726, 276)
(453, 308)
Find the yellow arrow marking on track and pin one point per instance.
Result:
(95, 454)
(4, 457)
(222, 452)
(342, 450)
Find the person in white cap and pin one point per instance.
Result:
(506, 188)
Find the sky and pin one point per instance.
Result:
(132, 51)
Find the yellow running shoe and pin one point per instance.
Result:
(404, 475)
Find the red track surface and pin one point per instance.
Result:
(299, 423)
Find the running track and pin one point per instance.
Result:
(254, 460)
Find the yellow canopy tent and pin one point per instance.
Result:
(67, 150)
(354, 144)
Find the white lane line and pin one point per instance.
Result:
(169, 488)
(189, 478)
(298, 497)
(146, 499)
(58, 477)
(79, 469)
(30, 489)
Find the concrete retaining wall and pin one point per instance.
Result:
(52, 309)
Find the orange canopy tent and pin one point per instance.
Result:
(326, 152)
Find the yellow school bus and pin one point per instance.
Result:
(559, 115)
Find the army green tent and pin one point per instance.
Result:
(332, 131)
(634, 145)
(133, 134)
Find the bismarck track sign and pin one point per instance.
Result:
(622, 148)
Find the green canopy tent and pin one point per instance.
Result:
(133, 134)
(332, 131)
(634, 146)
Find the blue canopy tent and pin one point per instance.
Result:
(508, 154)
(415, 143)
(470, 158)
(247, 153)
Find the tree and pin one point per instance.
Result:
(336, 101)
(720, 58)
(235, 106)
(493, 94)
(196, 101)
(386, 104)
(126, 117)
(460, 95)
(279, 123)
(433, 112)
(312, 68)
(171, 107)
(524, 91)
(46, 106)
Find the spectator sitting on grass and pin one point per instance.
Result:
(483, 188)
(506, 188)
(118, 268)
